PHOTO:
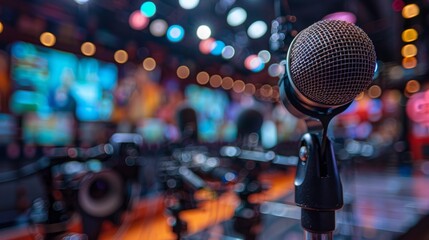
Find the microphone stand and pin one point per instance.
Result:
(318, 189)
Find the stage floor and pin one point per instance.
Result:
(380, 203)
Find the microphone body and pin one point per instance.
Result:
(327, 65)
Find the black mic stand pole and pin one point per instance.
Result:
(318, 188)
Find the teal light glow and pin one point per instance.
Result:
(175, 33)
(148, 9)
(217, 48)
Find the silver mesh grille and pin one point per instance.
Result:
(331, 62)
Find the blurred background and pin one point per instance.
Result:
(162, 119)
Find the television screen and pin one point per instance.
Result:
(48, 80)
(55, 129)
(211, 106)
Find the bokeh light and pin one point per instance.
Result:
(204, 32)
(236, 16)
(47, 39)
(409, 62)
(183, 72)
(121, 56)
(148, 9)
(238, 86)
(203, 78)
(149, 64)
(409, 50)
(254, 63)
(88, 48)
(1, 27)
(228, 52)
(158, 27)
(412, 86)
(409, 35)
(275, 70)
(266, 90)
(217, 47)
(138, 21)
(81, 1)
(265, 56)
(206, 45)
(227, 83)
(344, 16)
(188, 4)
(374, 91)
(250, 88)
(257, 29)
(410, 10)
(215, 81)
(175, 33)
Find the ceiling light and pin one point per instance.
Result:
(148, 9)
(121, 56)
(236, 16)
(228, 52)
(183, 72)
(188, 4)
(217, 47)
(149, 64)
(203, 78)
(257, 29)
(175, 33)
(158, 27)
(203, 32)
(81, 1)
(88, 48)
(137, 20)
(409, 50)
(410, 10)
(47, 39)
(409, 35)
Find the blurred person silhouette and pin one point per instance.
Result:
(187, 124)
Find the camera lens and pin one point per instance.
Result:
(99, 189)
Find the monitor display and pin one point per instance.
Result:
(211, 105)
(55, 129)
(48, 81)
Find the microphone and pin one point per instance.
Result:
(327, 65)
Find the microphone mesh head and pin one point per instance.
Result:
(331, 62)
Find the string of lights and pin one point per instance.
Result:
(409, 50)
(146, 18)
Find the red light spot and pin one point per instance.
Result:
(418, 108)
(138, 21)
(206, 46)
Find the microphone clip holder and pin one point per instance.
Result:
(318, 188)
